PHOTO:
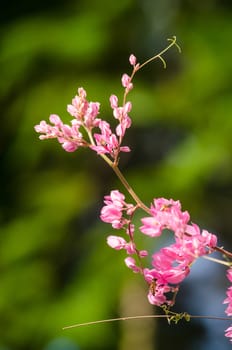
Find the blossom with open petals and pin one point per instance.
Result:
(165, 214)
(115, 206)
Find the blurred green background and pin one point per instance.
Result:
(55, 267)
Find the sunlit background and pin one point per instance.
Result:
(55, 266)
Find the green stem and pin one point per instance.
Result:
(127, 318)
(130, 190)
(126, 184)
(158, 55)
(218, 261)
(173, 42)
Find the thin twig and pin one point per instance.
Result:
(128, 318)
(218, 261)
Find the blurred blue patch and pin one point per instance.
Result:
(62, 344)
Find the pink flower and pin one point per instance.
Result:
(113, 215)
(121, 113)
(113, 210)
(46, 129)
(175, 275)
(126, 82)
(132, 60)
(228, 333)
(107, 142)
(171, 264)
(69, 146)
(113, 101)
(116, 242)
(209, 239)
(85, 115)
(85, 112)
(90, 120)
(79, 105)
(158, 297)
(198, 243)
(229, 274)
(169, 267)
(69, 136)
(115, 197)
(130, 262)
(165, 214)
(151, 227)
(158, 288)
(228, 300)
(143, 253)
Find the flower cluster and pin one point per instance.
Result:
(170, 265)
(228, 300)
(113, 210)
(85, 116)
